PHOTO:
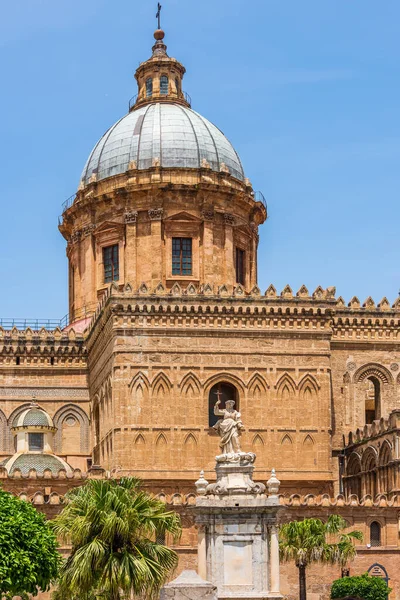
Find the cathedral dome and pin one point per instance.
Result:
(163, 134)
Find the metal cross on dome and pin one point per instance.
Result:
(158, 15)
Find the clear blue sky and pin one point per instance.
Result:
(307, 91)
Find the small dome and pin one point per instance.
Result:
(162, 134)
(40, 462)
(33, 416)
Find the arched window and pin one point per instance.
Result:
(149, 87)
(223, 391)
(375, 534)
(163, 85)
(177, 85)
(372, 400)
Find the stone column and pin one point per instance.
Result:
(156, 258)
(201, 552)
(274, 557)
(229, 270)
(131, 249)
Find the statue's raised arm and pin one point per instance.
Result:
(217, 411)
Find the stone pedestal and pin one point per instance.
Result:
(238, 534)
(189, 585)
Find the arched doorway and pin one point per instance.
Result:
(222, 391)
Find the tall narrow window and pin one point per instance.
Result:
(149, 87)
(163, 85)
(372, 400)
(111, 263)
(177, 85)
(181, 256)
(240, 256)
(36, 441)
(375, 534)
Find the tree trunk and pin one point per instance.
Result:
(302, 582)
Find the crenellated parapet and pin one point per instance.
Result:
(373, 430)
(339, 501)
(41, 348)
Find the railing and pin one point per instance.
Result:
(50, 324)
(171, 95)
(259, 197)
(68, 202)
(34, 324)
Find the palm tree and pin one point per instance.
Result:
(311, 540)
(113, 527)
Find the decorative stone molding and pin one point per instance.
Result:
(155, 214)
(131, 216)
(208, 215)
(29, 392)
(76, 236)
(88, 230)
(229, 219)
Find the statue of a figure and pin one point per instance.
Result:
(229, 427)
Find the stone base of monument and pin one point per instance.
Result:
(189, 585)
(237, 527)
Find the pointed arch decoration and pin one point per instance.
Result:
(308, 381)
(286, 440)
(161, 450)
(139, 452)
(385, 454)
(140, 379)
(285, 386)
(190, 382)
(161, 385)
(308, 452)
(257, 380)
(373, 370)
(308, 441)
(140, 440)
(369, 459)
(258, 441)
(62, 416)
(224, 377)
(287, 451)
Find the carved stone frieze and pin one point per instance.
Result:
(155, 214)
(229, 219)
(131, 216)
(208, 215)
(29, 392)
(88, 230)
(76, 236)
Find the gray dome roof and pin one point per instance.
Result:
(169, 134)
(40, 462)
(33, 416)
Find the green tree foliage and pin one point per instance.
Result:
(29, 558)
(363, 586)
(113, 527)
(311, 541)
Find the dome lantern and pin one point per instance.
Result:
(159, 78)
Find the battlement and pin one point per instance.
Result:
(54, 347)
(376, 428)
